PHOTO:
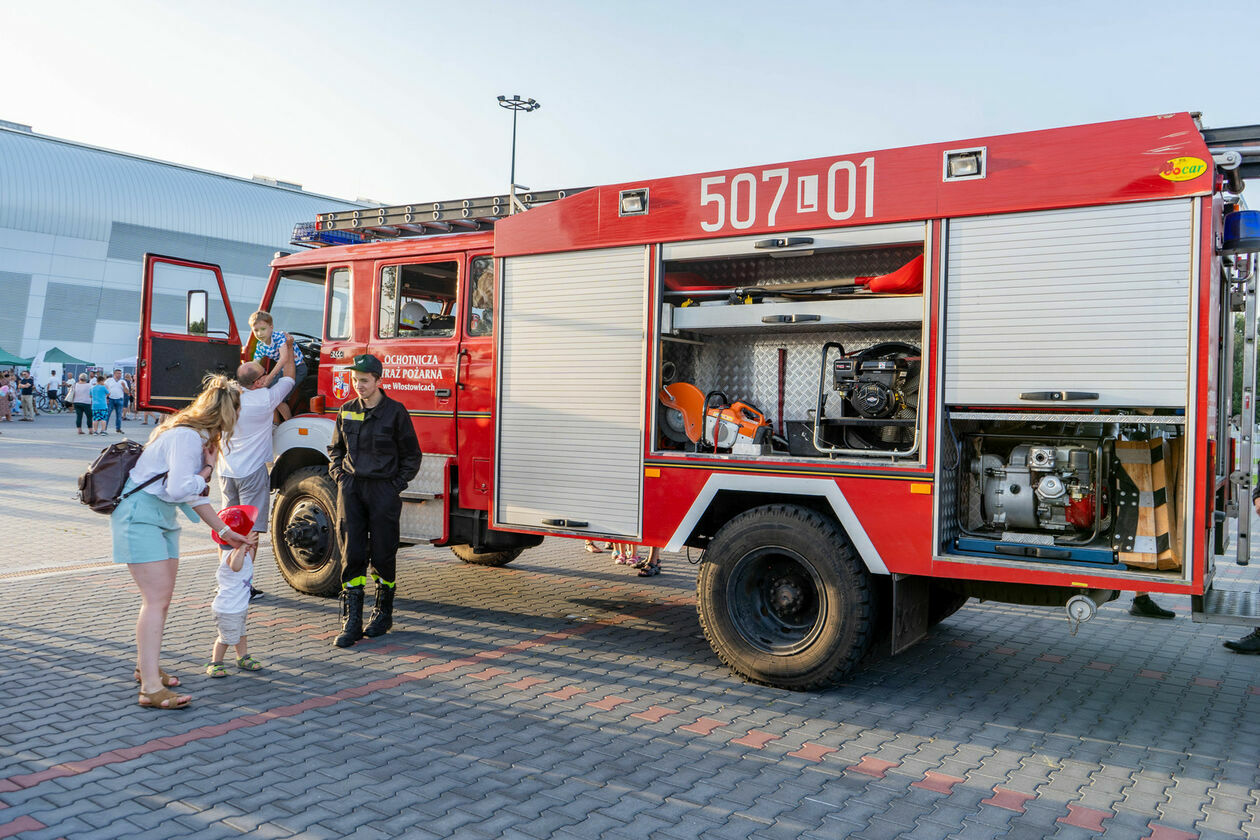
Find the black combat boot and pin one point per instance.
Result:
(351, 615)
(382, 612)
(1247, 644)
(1144, 607)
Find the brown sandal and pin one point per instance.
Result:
(156, 699)
(167, 679)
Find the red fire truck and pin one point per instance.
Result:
(861, 388)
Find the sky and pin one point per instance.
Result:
(396, 102)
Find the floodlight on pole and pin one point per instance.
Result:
(516, 105)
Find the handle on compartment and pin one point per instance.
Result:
(566, 523)
(1059, 396)
(789, 319)
(783, 242)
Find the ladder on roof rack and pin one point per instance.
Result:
(427, 219)
(1243, 139)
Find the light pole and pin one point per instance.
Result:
(516, 105)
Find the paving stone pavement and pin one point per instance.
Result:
(563, 697)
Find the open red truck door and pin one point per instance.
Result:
(186, 331)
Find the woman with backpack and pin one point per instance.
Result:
(183, 449)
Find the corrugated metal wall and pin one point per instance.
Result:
(75, 220)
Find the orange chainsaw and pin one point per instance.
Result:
(710, 420)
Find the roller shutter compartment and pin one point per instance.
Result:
(570, 395)
(1089, 300)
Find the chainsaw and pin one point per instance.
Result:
(712, 420)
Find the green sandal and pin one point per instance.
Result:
(215, 669)
(248, 663)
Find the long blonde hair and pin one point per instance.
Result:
(212, 414)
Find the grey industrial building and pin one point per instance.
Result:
(76, 220)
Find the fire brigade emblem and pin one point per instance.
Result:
(341, 384)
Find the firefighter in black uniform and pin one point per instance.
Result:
(374, 454)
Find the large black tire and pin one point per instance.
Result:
(783, 598)
(489, 558)
(304, 532)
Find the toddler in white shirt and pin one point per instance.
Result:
(231, 602)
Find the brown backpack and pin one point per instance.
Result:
(101, 487)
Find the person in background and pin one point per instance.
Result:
(81, 398)
(100, 405)
(6, 398)
(126, 385)
(26, 383)
(51, 390)
(116, 395)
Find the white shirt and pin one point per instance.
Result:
(115, 387)
(233, 594)
(251, 440)
(177, 452)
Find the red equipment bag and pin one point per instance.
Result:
(907, 280)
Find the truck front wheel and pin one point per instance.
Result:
(783, 598)
(486, 558)
(304, 532)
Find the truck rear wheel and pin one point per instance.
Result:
(783, 598)
(488, 558)
(304, 532)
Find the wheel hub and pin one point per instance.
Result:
(308, 533)
(786, 597)
(777, 600)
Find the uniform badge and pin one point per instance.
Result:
(341, 384)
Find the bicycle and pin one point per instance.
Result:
(43, 405)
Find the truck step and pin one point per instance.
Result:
(1228, 604)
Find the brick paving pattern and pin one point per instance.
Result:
(562, 697)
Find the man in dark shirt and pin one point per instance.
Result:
(27, 384)
(374, 455)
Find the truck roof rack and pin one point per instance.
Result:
(1244, 140)
(430, 218)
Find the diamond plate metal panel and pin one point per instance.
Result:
(422, 520)
(746, 367)
(1225, 605)
(431, 480)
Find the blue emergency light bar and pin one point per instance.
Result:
(309, 234)
(1242, 232)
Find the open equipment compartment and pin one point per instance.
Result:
(1065, 386)
(770, 349)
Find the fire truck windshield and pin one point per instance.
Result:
(298, 303)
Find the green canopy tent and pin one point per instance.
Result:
(69, 365)
(57, 356)
(8, 360)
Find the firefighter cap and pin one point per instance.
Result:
(367, 363)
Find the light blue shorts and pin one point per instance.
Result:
(145, 529)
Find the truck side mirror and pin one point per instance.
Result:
(197, 308)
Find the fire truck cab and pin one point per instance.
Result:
(864, 388)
